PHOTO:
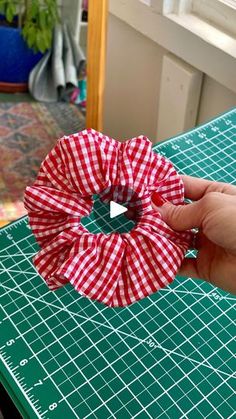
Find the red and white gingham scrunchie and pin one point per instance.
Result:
(116, 269)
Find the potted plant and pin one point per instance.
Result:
(26, 28)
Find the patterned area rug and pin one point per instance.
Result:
(28, 131)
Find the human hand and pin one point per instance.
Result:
(213, 212)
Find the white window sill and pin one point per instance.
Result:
(206, 31)
(200, 44)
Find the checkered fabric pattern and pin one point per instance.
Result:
(116, 269)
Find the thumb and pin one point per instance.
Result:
(178, 217)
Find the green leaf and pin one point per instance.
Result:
(10, 13)
(25, 29)
(39, 21)
(31, 35)
(48, 38)
(40, 43)
(49, 20)
(34, 9)
(3, 7)
(42, 19)
(14, 9)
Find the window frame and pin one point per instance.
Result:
(188, 36)
(220, 13)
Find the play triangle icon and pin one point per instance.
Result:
(116, 209)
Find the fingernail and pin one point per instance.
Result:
(157, 199)
(130, 214)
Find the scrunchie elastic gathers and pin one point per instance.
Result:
(116, 269)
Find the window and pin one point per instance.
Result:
(219, 13)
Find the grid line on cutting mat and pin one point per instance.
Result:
(170, 355)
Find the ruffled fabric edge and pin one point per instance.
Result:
(117, 269)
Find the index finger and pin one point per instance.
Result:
(195, 188)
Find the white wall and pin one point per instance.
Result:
(133, 84)
(215, 99)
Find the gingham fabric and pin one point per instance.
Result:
(116, 269)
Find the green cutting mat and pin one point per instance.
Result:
(168, 356)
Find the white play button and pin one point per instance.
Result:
(116, 209)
